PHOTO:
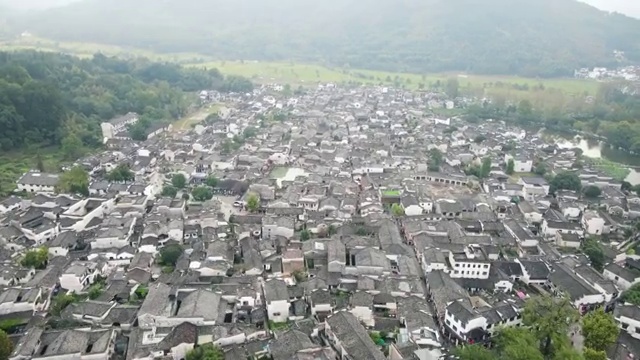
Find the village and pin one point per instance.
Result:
(347, 223)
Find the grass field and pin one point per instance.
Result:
(304, 74)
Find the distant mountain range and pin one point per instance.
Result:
(525, 37)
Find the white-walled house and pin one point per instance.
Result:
(466, 324)
(277, 300)
(628, 318)
(521, 164)
(593, 224)
(79, 275)
(16, 300)
(622, 277)
(37, 182)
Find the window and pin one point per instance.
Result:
(276, 314)
(448, 322)
(625, 326)
(486, 266)
(484, 273)
(454, 328)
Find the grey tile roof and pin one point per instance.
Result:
(353, 337)
(200, 303)
(289, 343)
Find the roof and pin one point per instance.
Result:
(200, 303)
(67, 342)
(353, 337)
(157, 301)
(624, 273)
(276, 290)
(40, 179)
(290, 342)
(185, 333)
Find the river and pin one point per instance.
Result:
(597, 149)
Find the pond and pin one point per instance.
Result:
(598, 150)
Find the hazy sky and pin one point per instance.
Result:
(628, 7)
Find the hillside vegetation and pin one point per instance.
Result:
(525, 37)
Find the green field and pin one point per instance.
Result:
(309, 74)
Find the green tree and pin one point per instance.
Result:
(591, 354)
(305, 235)
(514, 343)
(592, 192)
(36, 258)
(435, 159)
(331, 230)
(540, 169)
(71, 147)
(169, 255)
(593, 249)
(253, 202)
(39, 163)
(6, 346)
(452, 88)
(485, 169)
(74, 181)
(206, 352)
(397, 210)
(249, 132)
(474, 352)
(212, 181)
(479, 139)
(179, 181)
(202, 193)
(565, 180)
(169, 191)
(510, 167)
(121, 173)
(599, 329)
(549, 319)
(567, 353)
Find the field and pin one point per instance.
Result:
(309, 74)
(14, 164)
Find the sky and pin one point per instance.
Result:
(627, 7)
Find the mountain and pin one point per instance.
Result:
(524, 37)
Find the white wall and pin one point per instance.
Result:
(278, 311)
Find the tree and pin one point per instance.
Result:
(6, 346)
(479, 139)
(599, 329)
(253, 202)
(474, 352)
(202, 193)
(592, 191)
(549, 319)
(169, 191)
(305, 235)
(397, 210)
(565, 180)
(331, 230)
(567, 353)
(591, 354)
(39, 163)
(593, 249)
(74, 181)
(205, 352)
(510, 167)
(435, 159)
(514, 343)
(485, 169)
(179, 181)
(540, 169)
(36, 258)
(452, 88)
(169, 255)
(212, 181)
(71, 147)
(121, 173)
(632, 295)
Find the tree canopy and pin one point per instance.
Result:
(55, 99)
(565, 181)
(253, 202)
(36, 258)
(632, 295)
(599, 329)
(169, 255)
(593, 249)
(205, 352)
(202, 193)
(121, 173)
(179, 181)
(6, 346)
(74, 181)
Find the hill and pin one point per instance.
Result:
(509, 37)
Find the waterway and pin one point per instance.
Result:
(597, 149)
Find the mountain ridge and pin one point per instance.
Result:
(521, 37)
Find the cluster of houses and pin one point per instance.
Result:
(356, 235)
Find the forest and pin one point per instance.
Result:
(534, 38)
(49, 99)
(612, 114)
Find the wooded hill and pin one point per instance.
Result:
(525, 37)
